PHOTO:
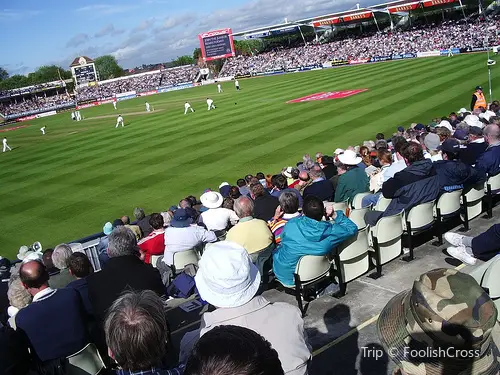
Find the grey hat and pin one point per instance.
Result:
(432, 141)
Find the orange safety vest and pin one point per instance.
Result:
(480, 100)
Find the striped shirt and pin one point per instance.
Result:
(277, 226)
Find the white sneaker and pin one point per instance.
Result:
(462, 255)
(453, 238)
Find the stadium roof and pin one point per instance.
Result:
(353, 15)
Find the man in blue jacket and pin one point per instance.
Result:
(489, 161)
(308, 235)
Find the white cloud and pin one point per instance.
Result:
(17, 14)
(145, 24)
(108, 30)
(78, 40)
(105, 9)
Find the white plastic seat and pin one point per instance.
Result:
(492, 188)
(310, 269)
(447, 206)
(472, 204)
(385, 239)
(183, 258)
(154, 259)
(358, 216)
(86, 361)
(488, 276)
(419, 219)
(357, 201)
(382, 204)
(351, 259)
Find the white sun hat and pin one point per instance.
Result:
(26, 254)
(445, 124)
(463, 110)
(473, 120)
(349, 157)
(227, 277)
(211, 199)
(338, 151)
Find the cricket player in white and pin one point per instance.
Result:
(210, 104)
(5, 145)
(148, 107)
(219, 88)
(450, 52)
(119, 121)
(42, 129)
(237, 85)
(78, 116)
(187, 107)
(73, 116)
(114, 104)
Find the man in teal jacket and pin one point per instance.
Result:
(308, 235)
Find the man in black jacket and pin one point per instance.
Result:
(264, 203)
(416, 184)
(452, 173)
(475, 147)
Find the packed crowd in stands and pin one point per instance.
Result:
(259, 227)
(144, 82)
(450, 34)
(24, 104)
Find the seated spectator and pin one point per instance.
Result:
(143, 221)
(366, 159)
(102, 246)
(304, 182)
(287, 210)
(418, 183)
(47, 261)
(5, 275)
(18, 297)
(321, 188)
(253, 234)
(234, 192)
(80, 267)
(242, 186)
(353, 181)
(280, 186)
(384, 157)
(228, 280)
(188, 205)
(398, 164)
(452, 173)
(475, 147)
(489, 161)
(466, 324)
(229, 350)
(137, 334)
(287, 172)
(469, 249)
(307, 163)
(294, 177)
(54, 324)
(432, 143)
(228, 203)
(309, 235)
(134, 228)
(167, 218)
(328, 167)
(216, 218)
(123, 270)
(60, 258)
(264, 203)
(182, 236)
(154, 244)
(14, 353)
(26, 254)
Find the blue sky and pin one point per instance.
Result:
(135, 32)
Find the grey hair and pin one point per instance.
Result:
(243, 206)
(61, 255)
(315, 173)
(289, 202)
(17, 294)
(308, 162)
(167, 218)
(122, 241)
(139, 213)
(136, 330)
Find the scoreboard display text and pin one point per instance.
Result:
(84, 74)
(217, 44)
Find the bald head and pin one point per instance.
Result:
(34, 275)
(243, 206)
(304, 176)
(492, 133)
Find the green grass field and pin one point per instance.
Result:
(67, 184)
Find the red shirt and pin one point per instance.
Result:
(293, 184)
(154, 244)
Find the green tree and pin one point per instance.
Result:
(196, 54)
(108, 67)
(48, 73)
(14, 82)
(3, 74)
(183, 60)
(248, 47)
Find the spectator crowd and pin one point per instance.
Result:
(35, 102)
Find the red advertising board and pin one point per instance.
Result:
(328, 21)
(404, 8)
(26, 118)
(88, 105)
(217, 44)
(147, 93)
(359, 16)
(432, 3)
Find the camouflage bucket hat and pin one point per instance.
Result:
(442, 325)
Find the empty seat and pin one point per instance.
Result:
(183, 258)
(351, 259)
(357, 201)
(447, 206)
(472, 203)
(358, 216)
(310, 269)
(86, 361)
(382, 204)
(385, 238)
(492, 188)
(418, 220)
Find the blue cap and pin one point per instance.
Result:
(108, 228)
(181, 219)
(401, 129)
